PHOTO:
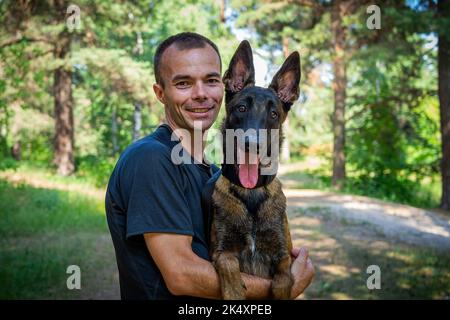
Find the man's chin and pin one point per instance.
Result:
(201, 124)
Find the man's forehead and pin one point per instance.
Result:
(174, 59)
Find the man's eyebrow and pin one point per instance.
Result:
(180, 77)
(213, 74)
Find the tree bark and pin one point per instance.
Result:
(339, 87)
(62, 89)
(137, 116)
(16, 150)
(114, 131)
(444, 102)
(222, 10)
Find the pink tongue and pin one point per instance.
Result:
(248, 173)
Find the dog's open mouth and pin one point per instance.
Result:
(248, 165)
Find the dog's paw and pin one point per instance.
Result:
(281, 287)
(234, 292)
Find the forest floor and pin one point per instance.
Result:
(345, 234)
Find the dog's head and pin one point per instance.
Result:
(259, 113)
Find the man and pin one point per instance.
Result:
(154, 206)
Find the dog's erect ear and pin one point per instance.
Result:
(286, 82)
(241, 72)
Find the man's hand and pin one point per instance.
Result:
(302, 270)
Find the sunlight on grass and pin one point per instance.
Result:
(341, 253)
(37, 210)
(44, 231)
(45, 178)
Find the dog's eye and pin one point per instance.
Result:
(242, 108)
(273, 114)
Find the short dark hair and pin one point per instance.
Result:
(183, 41)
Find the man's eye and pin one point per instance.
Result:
(182, 84)
(242, 108)
(213, 81)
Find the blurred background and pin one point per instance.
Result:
(365, 163)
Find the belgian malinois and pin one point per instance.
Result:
(249, 228)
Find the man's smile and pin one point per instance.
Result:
(200, 110)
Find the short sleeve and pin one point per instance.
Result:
(156, 200)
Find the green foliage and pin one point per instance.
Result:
(96, 170)
(112, 73)
(417, 191)
(392, 109)
(393, 124)
(8, 163)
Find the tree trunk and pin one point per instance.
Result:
(114, 131)
(222, 11)
(16, 150)
(137, 116)
(285, 149)
(444, 101)
(4, 130)
(62, 89)
(339, 87)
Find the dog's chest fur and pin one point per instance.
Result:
(248, 221)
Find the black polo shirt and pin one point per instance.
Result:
(147, 192)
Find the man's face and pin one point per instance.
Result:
(193, 88)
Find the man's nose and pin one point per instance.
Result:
(198, 92)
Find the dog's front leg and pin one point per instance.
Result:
(282, 280)
(231, 284)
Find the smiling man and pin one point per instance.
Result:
(153, 206)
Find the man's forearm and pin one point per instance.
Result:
(202, 280)
(257, 288)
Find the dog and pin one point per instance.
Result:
(249, 229)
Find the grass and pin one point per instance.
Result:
(46, 230)
(48, 223)
(342, 250)
(422, 194)
(39, 211)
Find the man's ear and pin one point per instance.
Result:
(241, 72)
(286, 82)
(159, 92)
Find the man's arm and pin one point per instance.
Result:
(185, 273)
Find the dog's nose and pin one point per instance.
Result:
(251, 143)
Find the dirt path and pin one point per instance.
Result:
(408, 224)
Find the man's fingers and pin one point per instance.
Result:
(300, 253)
(304, 252)
(303, 271)
(302, 257)
(310, 271)
(295, 252)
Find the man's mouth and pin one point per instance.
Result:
(200, 110)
